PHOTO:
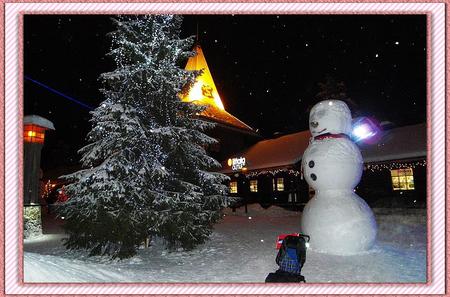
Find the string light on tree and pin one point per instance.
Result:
(135, 182)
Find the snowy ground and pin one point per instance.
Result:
(242, 250)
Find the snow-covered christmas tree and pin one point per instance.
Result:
(146, 168)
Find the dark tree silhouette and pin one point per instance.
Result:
(332, 89)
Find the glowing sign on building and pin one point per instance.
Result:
(237, 163)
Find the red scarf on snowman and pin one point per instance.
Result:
(329, 135)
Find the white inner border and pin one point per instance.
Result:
(437, 11)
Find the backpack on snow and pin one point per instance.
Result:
(290, 258)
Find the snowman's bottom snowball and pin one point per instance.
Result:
(339, 223)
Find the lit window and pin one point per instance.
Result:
(273, 185)
(402, 179)
(254, 185)
(280, 184)
(233, 187)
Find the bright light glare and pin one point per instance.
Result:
(196, 94)
(362, 132)
(366, 130)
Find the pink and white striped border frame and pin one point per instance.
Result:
(13, 12)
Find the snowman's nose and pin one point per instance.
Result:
(314, 124)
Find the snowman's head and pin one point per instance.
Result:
(330, 116)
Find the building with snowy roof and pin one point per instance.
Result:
(269, 172)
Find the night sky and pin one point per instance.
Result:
(267, 69)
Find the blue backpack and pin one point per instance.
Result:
(292, 254)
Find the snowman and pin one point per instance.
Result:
(338, 221)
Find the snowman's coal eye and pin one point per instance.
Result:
(313, 176)
(311, 164)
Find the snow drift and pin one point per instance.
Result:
(243, 250)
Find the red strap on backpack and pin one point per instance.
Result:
(281, 237)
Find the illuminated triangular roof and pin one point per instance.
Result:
(204, 91)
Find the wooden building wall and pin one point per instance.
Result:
(294, 195)
(375, 188)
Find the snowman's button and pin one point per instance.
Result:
(311, 164)
(313, 176)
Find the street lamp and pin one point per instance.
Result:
(33, 137)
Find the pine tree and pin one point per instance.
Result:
(146, 169)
